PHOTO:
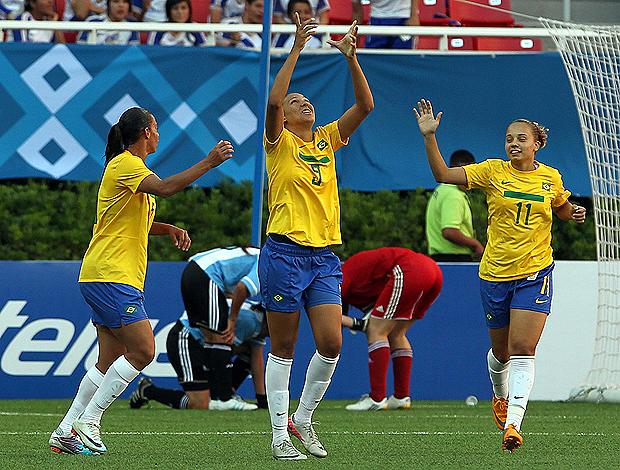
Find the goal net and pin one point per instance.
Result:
(591, 56)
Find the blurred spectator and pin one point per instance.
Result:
(117, 11)
(304, 10)
(319, 11)
(150, 10)
(389, 13)
(221, 9)
(78, 10)
(252, 14)
(39, 10)
(177, 11)
(9, 9)
(449, 226)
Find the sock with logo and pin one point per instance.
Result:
(176, 399)
(402, 361)
(277, 375)
(241, 369)
(220, 371)
(521, 380)
(318, 377)
(378, 363)
(115, 381)
(88, 386)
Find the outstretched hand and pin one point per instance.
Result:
(304, 31)
(426, 119)
(222, 151)
(348, 44)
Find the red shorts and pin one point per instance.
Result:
(409, 293)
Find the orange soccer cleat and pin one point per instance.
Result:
(500, 410)
(512, 438)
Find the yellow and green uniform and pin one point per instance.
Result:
(520, 214)
(118, 249)
(303, 190)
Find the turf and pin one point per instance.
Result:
(431, 435)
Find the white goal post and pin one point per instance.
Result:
(591, 56)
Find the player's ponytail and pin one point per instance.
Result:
(127, 131)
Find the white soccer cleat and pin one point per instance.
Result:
(285, 450)
(90, 435)
(368, 404)
(231, 405)
(307, 435)
(70, 444)
(398, 403)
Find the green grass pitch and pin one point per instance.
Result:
(431, 435)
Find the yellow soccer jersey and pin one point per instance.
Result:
(303, 190)
(520, 214)
(118, 250)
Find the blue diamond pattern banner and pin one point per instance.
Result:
(57, 103)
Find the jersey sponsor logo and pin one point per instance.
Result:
(312, 159)
(546, 186)
(322, 144)
(526, 196)
(541, 301)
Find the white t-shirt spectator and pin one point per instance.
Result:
(29, 35)
(230, 8)
(156, 12)
(69, 15)
(121, 38)
(11, 6)
(389, 8)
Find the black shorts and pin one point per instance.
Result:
(188, 357)
(205, 303)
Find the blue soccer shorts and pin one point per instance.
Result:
(114, 304)
(531, 293)
(295, 276)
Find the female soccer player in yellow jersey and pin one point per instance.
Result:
(114, 269)
(516, 268)
(296, 267)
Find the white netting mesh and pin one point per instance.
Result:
(591, 56)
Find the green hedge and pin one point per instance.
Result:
(48, 220)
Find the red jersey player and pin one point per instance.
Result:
(397, 286)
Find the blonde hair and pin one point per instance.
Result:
(540, 132)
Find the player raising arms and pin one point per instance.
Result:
(296, 267)
(517, 266)
(114, 269)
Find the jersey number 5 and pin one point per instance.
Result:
(316, 179)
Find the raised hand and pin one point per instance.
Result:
(427, 121)
(222, 151)
(304, 31)
(348, 44)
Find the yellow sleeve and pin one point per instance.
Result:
(131, 171)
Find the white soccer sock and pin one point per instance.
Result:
(115, 381)
(498, 371)
(318, 377)
(277, 375)
(88, 386)
(521, 381)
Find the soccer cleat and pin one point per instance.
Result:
(89, 434)
(70, 444)
(368, 404)
(137, 398)
(285, 450)
(512, 438)
(307, 435)
(500, 410)
(232, 404)
(398, 403)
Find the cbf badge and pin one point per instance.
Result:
(321, 145)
